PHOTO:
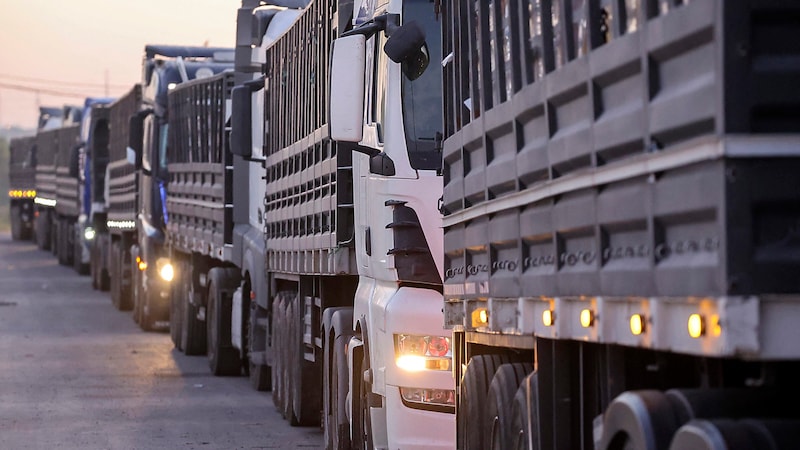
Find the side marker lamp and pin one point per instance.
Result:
(587, 318)
(637, 324)
(480, 317)
(696, 326)
(548, 317)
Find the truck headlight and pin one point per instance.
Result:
(89, 233)
(416, 352)
(165, 269)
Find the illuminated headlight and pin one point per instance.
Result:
(414, 352)
(429, 398)
(165, 269)
(89, 233)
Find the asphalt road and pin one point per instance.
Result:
(75, 373)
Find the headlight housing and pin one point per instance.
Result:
(422, 352)
(89, 233)
(165, 269)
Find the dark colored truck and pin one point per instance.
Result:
(21, 187)
(44, 155)
(621, 223)
(66, 211)
(164, 68)
(115, 229)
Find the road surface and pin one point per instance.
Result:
(75, 373)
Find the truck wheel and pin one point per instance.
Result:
(16, 223)
(77, 253)
(94, 266)
(223, 358)
(102, 281)
(336, 380)
(116, 276)
(278, 333)
(54, 237)
(136, 291)
(105, 280)
(502, 390)
(288, 360)
(305, 378)
(176, 301)
(193, 330)
(645, 419)
(147, 319)
(42, 225)
(525, 415)
(260, 374)
(471, 410)
(362, 420)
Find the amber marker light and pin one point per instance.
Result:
(548, 317)
(480, 317)
(696, 326)
(716, 327)
(587, 318)
(637, 324)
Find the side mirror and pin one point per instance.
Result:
(407, 46)
(241, 138)
(74, 161)
(244, 133)
(136, 139)
(348, 63)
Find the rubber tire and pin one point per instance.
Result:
(306, 379)
(193, 330)
(223, 358)
(54, 235)
(289, 361)
(77, 253)
(116, 276)
(337, 427)
(147, 320)
(260, 375)
(504, 386)
(16, 223)
(176, 302)
(362, 420)
(471, 409)
(278, 333)
(525, 415)
(100, 279)
(42, 224)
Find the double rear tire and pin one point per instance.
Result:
(492, 413)
(223, 357)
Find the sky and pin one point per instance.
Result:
(93, 47)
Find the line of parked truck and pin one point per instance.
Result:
(435, 224)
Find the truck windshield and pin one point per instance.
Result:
(422, 98)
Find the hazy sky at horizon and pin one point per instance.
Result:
(74, 46)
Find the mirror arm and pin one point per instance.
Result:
(385, 22)
(355, 147)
